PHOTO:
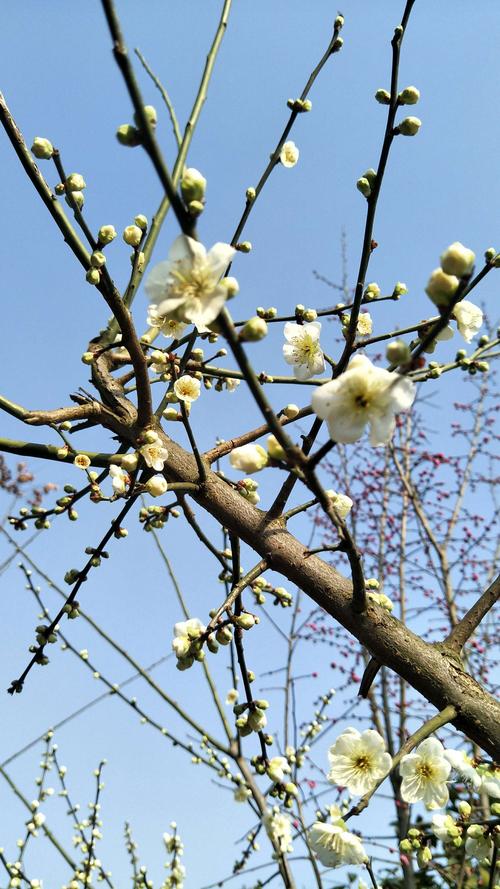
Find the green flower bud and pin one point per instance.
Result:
(274, 448)
(496, 261)
(106, 234)
(93, 277)
(310, 315)
(383, 97)
(409, 96)
(141, 221)
(397, 352)
(193, 185)
(399, 289)
(372, 291)
(424, 856)
(251, 194)
(75, 182)
(254, 330)
(371, 175)
(245, 621)
(88, 357)
(196, 208)
(489, 254)
(151, 116)
(132, 235)
(75, 197)
(42, 148)
(244, 247)
(364, 186)
(441, 287)
(482, 366)
(128, 135)
(97, 260)
(409, 126)
(337, 46)
(224, 635)
(464, 808)
(405, 846)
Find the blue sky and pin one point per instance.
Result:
(60, 81)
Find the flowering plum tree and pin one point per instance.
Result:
(398, 539)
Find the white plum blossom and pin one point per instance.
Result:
(248, 458)
(279, 830)
(302, 349)
(477, 844)
(185, 632)
(289, 154)
(463, 764)
(424, 774)
(334, 844)
(363, 394)
(157, 485)
(445, 828)
(457, 260)
(469, 319)
(119, 479)
(341, 502)
(490, 782)
(364, 325)
(358, 761)
(241, 794)
(169, 327)
(154, 455)
(232, 697)
(231, 383)
(188, 286)
(277, 768)
(187, 388)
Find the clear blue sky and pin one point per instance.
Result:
(60, 80)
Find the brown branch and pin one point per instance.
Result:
(464, 629)
(226, 447)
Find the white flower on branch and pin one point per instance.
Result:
(185, 633)
(277, 768)
(241, 794)
(445, 828)
(289, 154)
(477, 844)
(119, 479)
(341, 502)
(463, 764)
(248, 458)
(154, 455)
(363, 394)
(424, 774)
(364, 325)
(334, 844)
(232, 697)
(358, 761)
(169, 326)
(490, 782)
(187, 388)
(279, 830)
(469, 319)
(157, 485)
(188, 286)
(457, 260)
(303, 350)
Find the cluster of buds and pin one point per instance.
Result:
(72, 189)
(193, 188)
(471, 365)
(251, 717)
(188, 642)
(304, 315)
(366, 182)
(371, 291)
(281, 595)
(130, 135)
(300, 106)
(266, 314)
(247, 487)
(156, 516)
(457, 263)
(417, 842)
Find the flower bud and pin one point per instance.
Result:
(193, 185)
(93, 277)
(383, 97)
(75, 197)
(129, 462)
(457, 260)
(409, 126)
(128, 135)
(274, 448)
(244, 247)
(106, 234)
(441, 287)
(245, 621)
(250, 194)
(196, 208)
(88, 357)
(399, 289)
(464, 808)
(75, 182)
(424, 856)
(231, 285)
(97, 260)
(42, 148)
(291, 411)
(257, 719)
(364, 186)
(310, 315)
(409, 96)
(132, 235)
(254, 330)
(337, 46)
(156, 486)
(397, 352)
(405, 845)
(339, 22)
(490, 254)
(170, 413)
(224, 635)
(141, 221)
(372, 291)
(151, 116)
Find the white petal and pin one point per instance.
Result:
(324, 399)
(156, 281)
(185, 248)
(219, 257)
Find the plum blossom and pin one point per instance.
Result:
(187, 388)
(463, 764)
(188, 286)
(302, 349)
(169, 327)
(341, 502)
(289, 154)
(364, 325)
(185, 633)
(469, 319)
(277, 768)
(363, 394)
(334, 844)
(248, 458)
(457, 260)
(279, 830)
(119, 479)
(445, 828)
(358, 761)
(157, 485)
(154, 455)
(478, 844)
(490, 782)
(232, 697)
(424, 774)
